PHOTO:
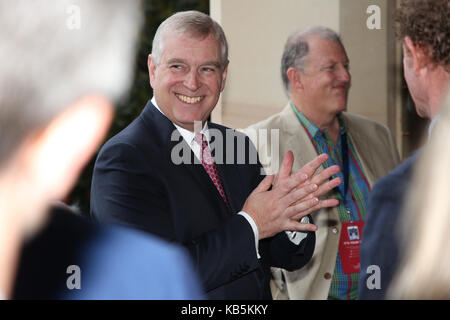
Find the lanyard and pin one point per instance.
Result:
(345, 164)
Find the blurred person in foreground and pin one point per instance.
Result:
(423, 271)
(424, 29)
(64, 63)
(316, 75)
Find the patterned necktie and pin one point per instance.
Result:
(210, 166)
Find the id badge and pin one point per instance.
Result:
(349, 246)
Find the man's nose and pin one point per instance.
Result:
(344, 74)
(191, 81)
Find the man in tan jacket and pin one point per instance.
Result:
(315, 73)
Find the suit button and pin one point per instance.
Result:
(334, 230)
(327, 275)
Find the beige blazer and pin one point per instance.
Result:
(378, 155)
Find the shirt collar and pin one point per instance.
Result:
(310, 127)
(433, 125)
(187, 135)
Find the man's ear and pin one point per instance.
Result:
(151, 69)
(224, 76)
(419, 56)
(295, 79)
(60, 150)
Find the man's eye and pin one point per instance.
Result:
(176, 67)
(208, 69)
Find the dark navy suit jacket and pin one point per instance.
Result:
(113, 263)
(380, 243)
(137, 183)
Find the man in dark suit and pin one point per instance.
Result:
(423, 27)
(174, 174)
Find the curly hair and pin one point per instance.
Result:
(427, 23)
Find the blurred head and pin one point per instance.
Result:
(188, 67)
(315, 70)
(64, 63)
(424, 28)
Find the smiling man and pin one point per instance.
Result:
(224, 213)
(316, 75)
(185, 96)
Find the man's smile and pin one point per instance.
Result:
(190, 100)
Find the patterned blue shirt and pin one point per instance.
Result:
(353, 209)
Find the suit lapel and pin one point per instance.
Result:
(198, 174)
(170, 140)
(362, 149)
(228, 173)
(297, 140)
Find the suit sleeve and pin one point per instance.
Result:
(378, 246)
(278, 251)
(127, 191)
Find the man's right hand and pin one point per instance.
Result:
(292, 197)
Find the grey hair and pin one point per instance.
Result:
(50, 59)
(296, 49)
(196, 24)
